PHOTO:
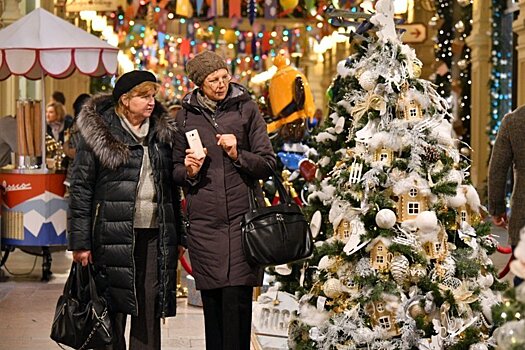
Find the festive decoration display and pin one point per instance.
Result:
(401, 259)
(290, 95)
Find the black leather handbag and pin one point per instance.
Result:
(277, 234)
(82, 320)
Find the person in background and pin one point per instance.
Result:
(57, 123)
(71, 136)
(59, 97)
(125, 215)
(174, 107)
(8, 139)
(507, 155)
(239, 153)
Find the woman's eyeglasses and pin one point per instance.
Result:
(214, 83)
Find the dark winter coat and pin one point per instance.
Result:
(218, 198)
(508, 153)
(103, 191)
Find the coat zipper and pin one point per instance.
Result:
(163, 238)
(133, 235)
(95, 220)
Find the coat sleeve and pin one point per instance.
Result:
(255, 161)
(179, 153)
(81, 191)
(500, 163)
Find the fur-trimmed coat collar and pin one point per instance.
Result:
(96, 122)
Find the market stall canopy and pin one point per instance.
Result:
(41, 43)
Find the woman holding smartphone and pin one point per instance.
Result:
(237, 153)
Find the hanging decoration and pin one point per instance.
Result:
(234, 7)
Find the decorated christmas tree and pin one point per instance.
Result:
(402, 253)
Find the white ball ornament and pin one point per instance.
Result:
(427, 221)
(332, 288)
(385, 218)
(367, 80)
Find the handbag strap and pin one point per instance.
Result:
(70, 280)
(284, 197)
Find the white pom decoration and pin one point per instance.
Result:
(427, 221)
(385, 218)
(342, 70)
(332, 288)
(458, 200)
(315, 224)
(367, 80)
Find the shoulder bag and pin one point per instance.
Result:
(82, 319)
(277, 234)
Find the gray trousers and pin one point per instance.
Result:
(145, 328)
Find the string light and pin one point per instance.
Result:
(501, 74)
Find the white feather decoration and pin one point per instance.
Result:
(325, 136)
(342, 70)
(472, 198)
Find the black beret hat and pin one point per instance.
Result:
(203, 64)
(129, 80)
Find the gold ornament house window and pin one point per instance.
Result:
(384, 155)
(384, 322)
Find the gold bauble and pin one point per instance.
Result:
(417, 70)
(230, 37)
(289, 4)
(416, 310)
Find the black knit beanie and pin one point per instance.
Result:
(203, 64)
(128, 81)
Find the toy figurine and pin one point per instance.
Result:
(290, 96)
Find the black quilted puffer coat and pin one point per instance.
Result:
(218, 198)
(104, 181)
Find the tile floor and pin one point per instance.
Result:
(27, 305)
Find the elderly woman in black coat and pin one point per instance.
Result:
(238, 154)
(125, 215)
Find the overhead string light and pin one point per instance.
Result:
(443, 48)
(462, 28)
(501, 73)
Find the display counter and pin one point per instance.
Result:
(34, 212)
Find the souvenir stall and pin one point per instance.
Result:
(34, 210)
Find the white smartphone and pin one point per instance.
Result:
(195, 143)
